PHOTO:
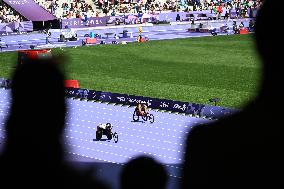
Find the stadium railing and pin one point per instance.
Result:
(164, 105)
(171, 106)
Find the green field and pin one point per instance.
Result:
(192, 70)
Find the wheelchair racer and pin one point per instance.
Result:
(105, 126)
(141, 109)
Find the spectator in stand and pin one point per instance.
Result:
(105, 7)
(33, 154)
(71, 9)
(178, 18)
(235, 28)
(219, 11)
(244, 149)
(113, 12)
(227, 15)
(8, 15)
(251, 26)
(241, 26)
(106, 3)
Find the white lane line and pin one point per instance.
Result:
(95, 158)
(152, 147)
(175, 176)
(173, 166)
(119, 147)
(129, 157)
(78, 115)
(120, 133)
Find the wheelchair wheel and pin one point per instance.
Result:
(151, 118)
(135, 116)
(99, 135)
(115, 137)
(145, 117)
(109, 136)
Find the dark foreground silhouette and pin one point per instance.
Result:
(244, 151)
(143, 173)
(33, 153)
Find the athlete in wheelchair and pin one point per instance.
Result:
(106, 129)
(141, 110)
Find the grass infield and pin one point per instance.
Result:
(192, 70)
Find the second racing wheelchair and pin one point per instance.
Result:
(106, 129)
(141, 111)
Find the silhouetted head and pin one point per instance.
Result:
(143, 172)
(38, 103)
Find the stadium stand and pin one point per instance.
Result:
(85, 9)
(69, 9)
(9, 15)
(85, 13)
(112, 8)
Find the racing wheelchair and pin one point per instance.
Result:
(145, 117)
(106, 129)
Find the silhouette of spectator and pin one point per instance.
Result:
(33, 153)
(244, 150)
(143, 172)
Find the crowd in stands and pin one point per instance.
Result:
(113, 7)
(69, 8)
(9, 15)
(98, 8)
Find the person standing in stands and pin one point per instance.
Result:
(227, 15)
(33, 155)
(245, 149)
(241, 26)
(251, 26)
(235, 28)
(178, 18)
